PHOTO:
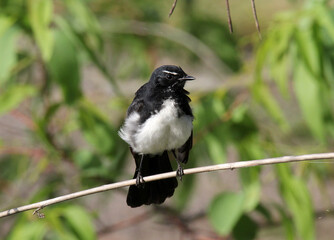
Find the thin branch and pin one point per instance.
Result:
(173, 8)
(225, 166)
(230, 26)
(256, 20)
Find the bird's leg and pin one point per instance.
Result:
(139, 179)
(179, 170)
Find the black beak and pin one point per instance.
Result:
(187, 78)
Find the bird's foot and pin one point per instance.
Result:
(140, 180)
(179, 171)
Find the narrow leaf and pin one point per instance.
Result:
(29, 231)
(5, 24)
(40, 15)
(298, 201)
(245, 229)
(263, 95)
(8, 53)
(215, 148)
(307, 92)
(225, 210)
(85, 21)
(11, 97)
(80, 222)
(65, 68)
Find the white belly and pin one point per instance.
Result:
(162, 131)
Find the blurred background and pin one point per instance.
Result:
(69, 70)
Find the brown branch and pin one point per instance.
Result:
(256, 20)
(225, 166)
(230, 26)
(173, 8)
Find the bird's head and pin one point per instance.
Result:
(170, 76)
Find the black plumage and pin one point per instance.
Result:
(159, 119)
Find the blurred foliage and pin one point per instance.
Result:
(300, 44)
(72, 140)
(67, 222)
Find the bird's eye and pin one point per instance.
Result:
(169, 76)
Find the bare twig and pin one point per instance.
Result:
(256, 20)
(173, 8)
(225, 166)
(38, 213)
(230, 26)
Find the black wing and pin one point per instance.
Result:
(182, 153)
(141, 104)
(138, 101)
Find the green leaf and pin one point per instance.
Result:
(262, 56)
(225, 210)
(215, 148)
(325, 19)
(86, 22)
(40, 16)
(298, 201)
(80, 40)
(56, 224)
(5, 24)
(7, 50)
(92, 167)
(251, 187)
(308, 49)
(51, 111)
(308, 95)
(250, 148)
(245, 229)
(97, 130)
(265, 212)
(65, 68)
(29, 231)
(239, 113)
(103, 137)
(12, 96)
(279, 71)
(80, 222)
(278, 54)
(13, 167)
(287, 222)
(263, 95)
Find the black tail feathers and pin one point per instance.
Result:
(154, 192)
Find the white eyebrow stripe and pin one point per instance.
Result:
(173, 73)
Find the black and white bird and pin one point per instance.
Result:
(158, 120)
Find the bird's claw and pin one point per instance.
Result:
(140, 181)
(179, 172)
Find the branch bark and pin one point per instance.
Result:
(226, 166)
(229, 19)
(255, 18)
(173, 8)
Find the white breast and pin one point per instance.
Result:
(164, 130)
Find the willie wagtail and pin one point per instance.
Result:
(158, 120)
